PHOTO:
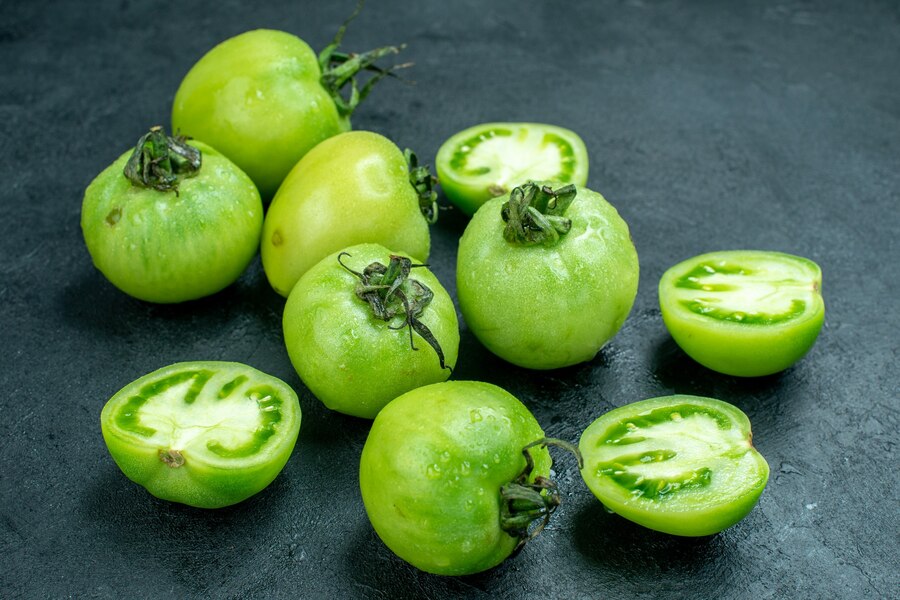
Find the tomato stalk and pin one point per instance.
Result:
(161, 162)
(341, 68)
(535, 214)
(390, 293)
(423, 182)
(524, 503)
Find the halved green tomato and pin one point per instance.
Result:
(743, 312)
(206, 434)
(488, 160)
(680, 464)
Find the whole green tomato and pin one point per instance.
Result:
(366, 325)
(264, 99)
(445, 479)
(744, 312)
(208, 434)
(171, 221)
(351, 189)
(546, 277)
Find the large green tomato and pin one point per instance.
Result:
(433, 468)
(351, 189)
(744, 312)
(354, 344)
(683, 465)
(543, 283)
(174, 236)
(208, 434)
(264, 99)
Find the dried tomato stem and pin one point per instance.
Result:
(161, 162)
(535, 214)
(526, 506)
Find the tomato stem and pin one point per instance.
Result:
(341, 68)
(524, 503)
(535, 214)
(423, 182)
(390, 294)
(161, 162)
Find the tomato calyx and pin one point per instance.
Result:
(524, 503)
(391, 294)
(340, 68)
(423, 182)
(534, 214)
(161, 161)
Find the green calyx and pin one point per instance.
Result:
(535, 214)
(523, 504)
(340, 69)
(393, 296)
(423, 182)
(161, 162)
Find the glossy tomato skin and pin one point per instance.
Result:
(432, 468)
(351, 189)
(487, 160)
(757, 344)
(166, 247)
(352, 361)
(682, 465)
(257, 98)
(205, 433)
(545, 307)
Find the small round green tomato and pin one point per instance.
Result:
(206, 434)
(432, 469)
(351, 189)
(553, 302)
(488, 160)
(167, 246)
(354, 359)
(682, 464)
(743, 312)
(258, 99)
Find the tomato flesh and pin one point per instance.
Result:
(744, 313)
(680, 464)
(432, 468)
(206, 434)
(488, 160)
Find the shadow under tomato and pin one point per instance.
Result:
(637, 552)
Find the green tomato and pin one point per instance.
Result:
(356, 359)
(554, 297)
(265, 99)
(351, 189)
(682, 465)
(488, 160)
(432, 470)
(743, 312)
(206, 434)
(176, 237)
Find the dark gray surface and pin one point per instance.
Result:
(710, 126)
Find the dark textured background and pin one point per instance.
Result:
(710, 126)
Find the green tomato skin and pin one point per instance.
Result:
(349, 359)
(351, 189)
(432, 468)
(739, 473)
(167, 248)
(257, 98)
(545, 307)
(739, 349)
(468, 191)
(204, 480)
